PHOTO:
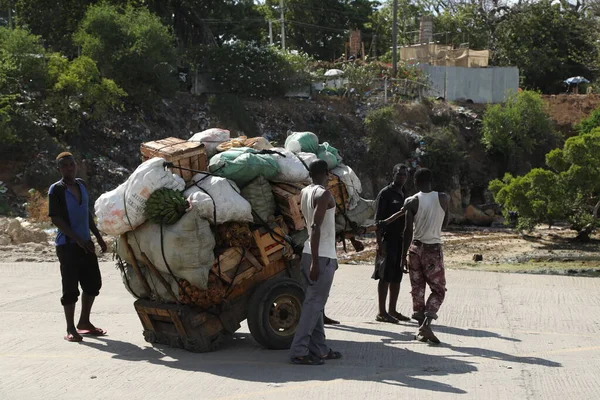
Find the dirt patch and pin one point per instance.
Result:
(504, 250)
(566, 110)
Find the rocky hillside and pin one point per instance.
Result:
(109, 149)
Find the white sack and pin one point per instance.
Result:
(364, 211)
(290, 166)
(308, 158)
(114, 216)
(211, 139)
(188, 247)
(352, 183)
(231, 206)
(136, 288)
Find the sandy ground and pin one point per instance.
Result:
(544, 251)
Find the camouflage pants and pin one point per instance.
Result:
(426, 266)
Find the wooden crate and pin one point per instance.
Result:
(339, 192)
(180, 152)
(269, 243)
(287, 197)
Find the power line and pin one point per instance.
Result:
(317, 26)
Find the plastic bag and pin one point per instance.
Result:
(260, 196)
(306, 142)
(329, 154)
(122, 209)
(291, 168)
(211, 139)
(243, 165)
(188, 247)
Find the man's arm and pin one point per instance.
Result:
(322, 204)
(445, 203)
(410, 206)
(97, 234)
(379, 216)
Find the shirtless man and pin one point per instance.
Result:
(319, 262)
(427, 213)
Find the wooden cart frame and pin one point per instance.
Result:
(271, 300)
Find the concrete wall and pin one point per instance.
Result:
(481, 85)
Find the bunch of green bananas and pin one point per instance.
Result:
(166, 206)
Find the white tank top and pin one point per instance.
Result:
(429, 218)
(307, 205)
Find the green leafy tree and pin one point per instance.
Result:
(570, 190)
(132, 47)
(320, 27)
(519, 132)
(80, 90)
(549, 43)
(590, 123)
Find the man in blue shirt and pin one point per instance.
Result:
(69, 210)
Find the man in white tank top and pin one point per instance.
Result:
(427, 211)
(319, 262)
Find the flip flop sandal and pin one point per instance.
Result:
(400, 317)
(307, 360)
(92, 332)
(386, 318)
(72, 338)
(333, 355)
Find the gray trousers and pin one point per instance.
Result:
(310, 332)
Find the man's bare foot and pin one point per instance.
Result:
(425, 333)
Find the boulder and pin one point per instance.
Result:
(477, 217)
(490, 213)
(19, 234)
(5, 240)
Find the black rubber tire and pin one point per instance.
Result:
(262, 304)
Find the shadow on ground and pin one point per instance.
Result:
(377, 359)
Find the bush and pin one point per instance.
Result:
(132, 47)
(37, 206)
(252, 70)
(442, 155)
(518, 129)
(590, 123)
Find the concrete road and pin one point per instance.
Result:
(505, 337)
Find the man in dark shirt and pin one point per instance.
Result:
(69, 210)
(388, 263)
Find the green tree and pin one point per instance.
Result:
(80, 90)
(519, 131)
(320, 27)
(570, 190)
(132, 47)
(590, 123)
(549, 43)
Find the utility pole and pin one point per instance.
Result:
(10, 16)
(282, 25)
(270, 32)
(394, 40)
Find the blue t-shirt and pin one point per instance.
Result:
(64, 204)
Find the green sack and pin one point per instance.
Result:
(242, 165)
(260, 195)
(306, 142)
(329, 154)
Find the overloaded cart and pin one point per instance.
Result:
(209, 233)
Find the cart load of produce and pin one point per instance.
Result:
(193, 241)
